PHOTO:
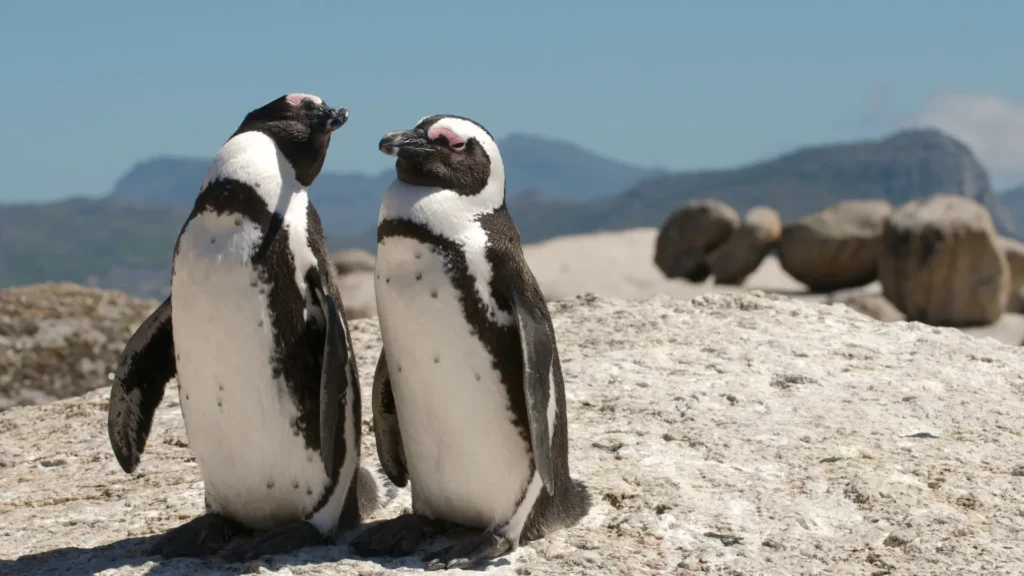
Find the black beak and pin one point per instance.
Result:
(337, 119)
(408, 144)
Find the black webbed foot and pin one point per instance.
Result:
(399, 536)
(277, 541)
(469, 552)
(200, 536)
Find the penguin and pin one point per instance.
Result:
(468, 397)
(255, 332)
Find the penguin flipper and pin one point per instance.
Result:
(385, 426)
(146, 365)
(336, 374)
(537, 340)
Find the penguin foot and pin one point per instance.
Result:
(277, 541)
(200, 536)
(399, 536)
(469, 552)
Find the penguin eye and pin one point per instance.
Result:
(459, 145)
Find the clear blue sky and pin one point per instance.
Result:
(88, 88)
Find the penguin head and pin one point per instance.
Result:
(448, 152)
(301, 126)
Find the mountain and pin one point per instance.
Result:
(103, 242)
(1013, 200)
(908, 164)
(125, 240)
(347, 202)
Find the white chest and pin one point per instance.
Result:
(467, 461)
(239, 417)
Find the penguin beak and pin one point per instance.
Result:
(406, 144)
(337, 119)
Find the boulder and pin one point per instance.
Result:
(1014, 251)
(695, 229)
(59, 340)
(742, 253)
(352, 260)
(943, 264)
(836, 248)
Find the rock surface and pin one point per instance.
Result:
(942, 262)
(60, 340)
(689, 233)
(743, 252)
(736, 433)
(836, 248)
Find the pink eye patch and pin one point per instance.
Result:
(297, 98)
(454, 140)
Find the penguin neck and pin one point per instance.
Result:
(253, 158)
(442, 211)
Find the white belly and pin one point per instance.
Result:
(238, 417)
(467, 462)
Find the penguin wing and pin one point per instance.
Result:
(385, 426)
(335, 373)
(146, 365)
(537, 341)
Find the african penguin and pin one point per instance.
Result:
(255, 333)
(468, 397)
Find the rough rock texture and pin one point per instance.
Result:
(837, 247)
(732, 434)
(352, 260)
(1014, 251)
(942, 262)
(60, 340)
(689, 233)
(743, 252)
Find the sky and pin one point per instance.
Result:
(90, 88)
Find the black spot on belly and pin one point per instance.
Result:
(387, 280)
(238, 221)
(477, 376)
(433, 293)
(260, 324)
(263, 291)
(309, 491)
(419, 276)
(399, 368)
(295, 484)
(220, 404)
(437, 359)
(252, 283)
(270, 484)
(186, 396)
(418, 255)
(213, 240)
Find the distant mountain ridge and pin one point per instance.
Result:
(908, 164)
(124, 241)
(1013, 200)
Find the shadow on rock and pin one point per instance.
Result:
(132, 553)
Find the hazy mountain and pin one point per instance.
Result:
(125, 240)
(1013, 200)
(348, 203)
(906, 165)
